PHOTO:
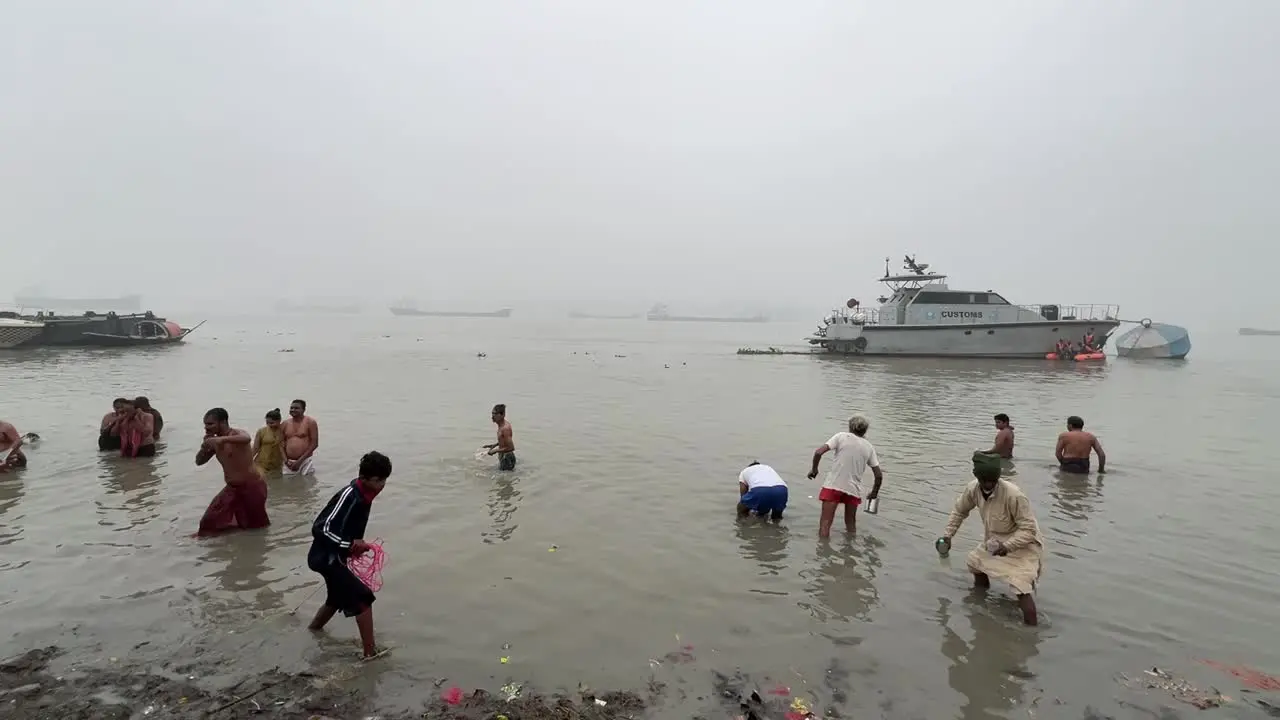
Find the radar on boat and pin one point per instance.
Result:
(918, 268)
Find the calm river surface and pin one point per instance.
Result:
(630, 437)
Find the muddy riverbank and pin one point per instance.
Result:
(30, 687)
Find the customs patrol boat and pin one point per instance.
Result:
(923, 316)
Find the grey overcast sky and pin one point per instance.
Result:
(710, 154)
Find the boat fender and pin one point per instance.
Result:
(860, 343)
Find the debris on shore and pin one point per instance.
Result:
(117, 692)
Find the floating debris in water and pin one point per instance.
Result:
(1178, 688)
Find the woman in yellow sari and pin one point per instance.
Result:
(268, 445)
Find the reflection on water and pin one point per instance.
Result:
(991, 668)
(763, 541)
(293, 501)
(238, 562)
(11, 492)
(1075, 497)
(132, 486)
(842, 584)
(504, 500)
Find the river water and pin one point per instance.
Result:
(612, 557)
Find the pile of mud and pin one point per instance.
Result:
(28, 689)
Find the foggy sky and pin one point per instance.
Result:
(707, 154)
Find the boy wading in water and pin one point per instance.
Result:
(338, 535)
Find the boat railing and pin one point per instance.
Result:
(1076, 312)
(854, 317)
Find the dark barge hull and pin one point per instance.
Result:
(110, 330)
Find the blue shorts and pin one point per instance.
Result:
(771, 500)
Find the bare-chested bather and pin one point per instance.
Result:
(301, 438)
(109, 431)
(1003, 445)
(505, 448)
(136, 428)
(1074, 447)
(11, 457)
(242, 504)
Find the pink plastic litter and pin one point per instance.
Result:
(368, 567)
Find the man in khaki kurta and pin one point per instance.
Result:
(1012, 548)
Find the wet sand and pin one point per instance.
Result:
(612, 558)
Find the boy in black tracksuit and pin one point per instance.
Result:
(337, 535)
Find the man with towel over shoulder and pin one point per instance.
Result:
(1012, 548)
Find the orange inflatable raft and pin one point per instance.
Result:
(1082, 357)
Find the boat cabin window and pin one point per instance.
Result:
(944, 298)
(935, 297)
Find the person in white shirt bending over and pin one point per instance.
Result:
(854, 454)
(761, 491)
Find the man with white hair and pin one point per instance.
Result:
(843, 486)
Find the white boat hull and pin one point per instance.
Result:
(1000, 340)
(17, 333)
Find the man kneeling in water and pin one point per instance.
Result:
(761, 491)
(1074, 447)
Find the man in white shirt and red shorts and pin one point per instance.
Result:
(853, 455)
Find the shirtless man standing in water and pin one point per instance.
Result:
(505, 448)
(242, 504)
(1004, 438)
(11, 447)
(301, 438)
(1074, 447)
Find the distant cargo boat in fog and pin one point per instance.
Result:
(414, 312)
(589, 316)
(1258, 331)
(124, 303)
(659, 314)
(286, 306)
